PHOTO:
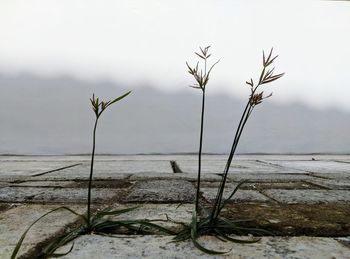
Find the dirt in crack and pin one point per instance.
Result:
(324, 220)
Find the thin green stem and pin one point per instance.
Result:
(91, 172)
(200, 153)
(218, 205)
(223, 180)
(247, 112)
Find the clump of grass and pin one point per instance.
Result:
(98, 222)
(214, 223)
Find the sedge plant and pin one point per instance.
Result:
(213, 223)
(201, 77)
(99, 222)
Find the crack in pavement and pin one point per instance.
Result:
(55, 170)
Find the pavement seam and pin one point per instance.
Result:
(340, 161)
(285, 167)
(55, 170)
(311, 173)
(315, 184)
(268, 196)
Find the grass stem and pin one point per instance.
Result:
(91, 172)
(200, 152)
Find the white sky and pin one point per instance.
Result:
(148, 41)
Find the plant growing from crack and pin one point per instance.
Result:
(201, 77)
(97, 222)
(213, 223)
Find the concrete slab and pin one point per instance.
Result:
(335, 184)
(174, 212)
(269, 177)
(281, 185)
(14, 222)
(317, 166)
(43, 184)
(78, 174)
(268, 185)
(309, 196)
(77, 195)
(14, 194)
(94, 246)
(336, 176)
(172, 176)
(218, 166)
(4, 184)
(344, 240)
(55, 195)
(27, 168)
(136, 164)
(240, 196)
(161, 191)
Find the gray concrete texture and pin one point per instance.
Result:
(29, 183)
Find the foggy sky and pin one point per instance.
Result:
(149, 41)
(55, 54)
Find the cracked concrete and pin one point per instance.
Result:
(292, 195)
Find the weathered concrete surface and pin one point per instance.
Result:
(14, 222)
(11, 194)
(55, 195)
(240, 196)
(162, 191)
(171, 176)
(344, 240)
(42, 184)
(270, 177)
(167, 215)
(94, 246)
(28, 168)
(4, 184)
(309, 196)
(78, 174)
(335, 184)
(289, 195)
(319, 166)
(299, 185)
(335, 176)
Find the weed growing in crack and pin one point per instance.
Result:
(98, 222)
(213, 223)
(201, 77)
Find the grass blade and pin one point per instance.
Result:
(20, 241)
(194, 236)
(119, 98)
(63, 254)
(107, 212)
(233, 193)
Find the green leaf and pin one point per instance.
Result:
(20, 241)
(194, 236)
(108, 211)
(237, 240)
(119, 98)
(62, 254)
(64, 239)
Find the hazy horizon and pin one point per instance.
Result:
(55, 54)
(45, 121)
